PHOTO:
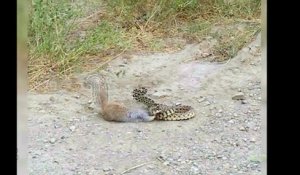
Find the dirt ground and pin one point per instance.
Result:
(66, 136)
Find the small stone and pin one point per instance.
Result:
(52, 140)
(56, 126)
(166, 163)
(206, 103)
(150, 167)
(195, 170)
(252, 140)
(250, 95)
(72, 128)
(106, 169)
(231, 121)
(52, 99)
(235, 114)
(242, 128)
(62, 137)
(201, 100)
(244, 102)
(218, 114)
(239, 96)
(161, 157)
(235, 144)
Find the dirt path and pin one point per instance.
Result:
(67, 137)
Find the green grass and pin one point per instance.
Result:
(61, 38)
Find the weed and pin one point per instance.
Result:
(59, 44)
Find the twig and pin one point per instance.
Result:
(34, 88)
(109, 60)
(135, 167)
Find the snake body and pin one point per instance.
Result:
(162, 111)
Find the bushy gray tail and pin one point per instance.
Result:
(99, 89)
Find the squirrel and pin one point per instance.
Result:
(115, 111)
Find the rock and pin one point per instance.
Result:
(52, 99)
(52, 140)
(76, 96)
(195, 170)
(231, 121)
(56, 126)
(72, 128)
(242, 128)
(252, 140)
(166, 163)
(201, 100)
(244, 102)
(151, 167)
(218, 114)
(206, 103)
(239, 96)
(106, 169)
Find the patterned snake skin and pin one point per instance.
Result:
(161, 111)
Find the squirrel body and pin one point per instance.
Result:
(116, 111)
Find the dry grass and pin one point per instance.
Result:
(65, 36)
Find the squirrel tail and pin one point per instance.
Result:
(103, 94)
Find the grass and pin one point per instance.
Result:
(233, 40)
(63, 35)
